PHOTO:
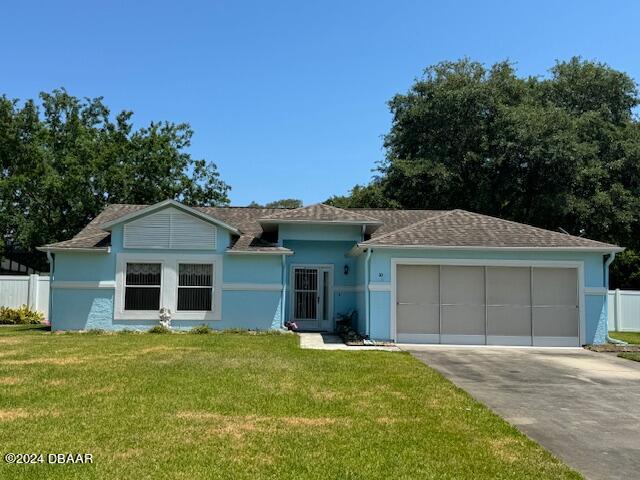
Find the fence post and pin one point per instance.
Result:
(617, 311)
(32, 296)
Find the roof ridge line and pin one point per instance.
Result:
(420, 222)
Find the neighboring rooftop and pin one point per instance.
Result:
(387, 227)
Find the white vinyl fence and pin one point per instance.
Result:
(30, 290)
(624, 310)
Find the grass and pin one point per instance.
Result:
(629, 337)
(244, 406)
(635, 356)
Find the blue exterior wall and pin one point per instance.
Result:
(328, 253)
(594, 305)
(87, 308)
(351, 233)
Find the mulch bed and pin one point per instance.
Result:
(610, 347)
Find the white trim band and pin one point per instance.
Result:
(348, 288)
(84, 285)
(596, 291)
(380, 287)
(253, 287)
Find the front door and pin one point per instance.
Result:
(311, 307)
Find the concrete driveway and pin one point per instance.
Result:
(582, 406)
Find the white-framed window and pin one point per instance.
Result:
(142, 286)
(195, 287)
(189, 285)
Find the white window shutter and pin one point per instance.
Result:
(171, 229)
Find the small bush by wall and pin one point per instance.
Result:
(20, 316)
(159, 329)
(201, 330)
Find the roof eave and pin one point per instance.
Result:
(258, 252)
(271, 221)
(54, 249)
(611, 249)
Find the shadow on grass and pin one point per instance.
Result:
(24, 329)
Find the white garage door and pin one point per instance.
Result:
(487, 305)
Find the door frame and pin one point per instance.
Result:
(578, 265)
(320, 267)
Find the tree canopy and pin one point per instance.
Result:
(284, 203)
(558, 152)
(65, 158)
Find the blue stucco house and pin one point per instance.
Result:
(419, 276)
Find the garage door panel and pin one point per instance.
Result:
(418, 284)
(555, 321)
(418, 318)
(463, 320)
(509, 320)
(555, 286)
(509, 286)
(462, 285)
(520, 300)
(512, 340)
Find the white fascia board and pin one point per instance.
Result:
(274, 221)
(75, 249)
(249, 252)
(495, 249)
(168, 203)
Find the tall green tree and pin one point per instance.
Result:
(64, 159)
(561, 151)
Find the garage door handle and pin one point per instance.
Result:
(405, 303)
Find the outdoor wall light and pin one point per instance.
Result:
(346, 269)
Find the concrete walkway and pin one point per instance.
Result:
(582, 406)
(328, 341)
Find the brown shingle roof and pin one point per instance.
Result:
(455, 228)
(321, 213)
(459, 228)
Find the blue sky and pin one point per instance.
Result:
(288, 97)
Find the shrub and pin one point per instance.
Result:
(20, 316)
(201, 330)
(159, 329)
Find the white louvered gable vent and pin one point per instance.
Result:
(170, 229)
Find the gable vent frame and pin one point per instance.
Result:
(170, 229)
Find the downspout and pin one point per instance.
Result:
(608, 262)
(283, 295)
(52, 267)
(366, 294)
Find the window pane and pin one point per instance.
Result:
(142, 298)
(143, 273)
(195, 275)
(198, 299)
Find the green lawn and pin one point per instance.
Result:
(635, 356)
(629, 337)
(244, 406)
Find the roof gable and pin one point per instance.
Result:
(166, 204)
